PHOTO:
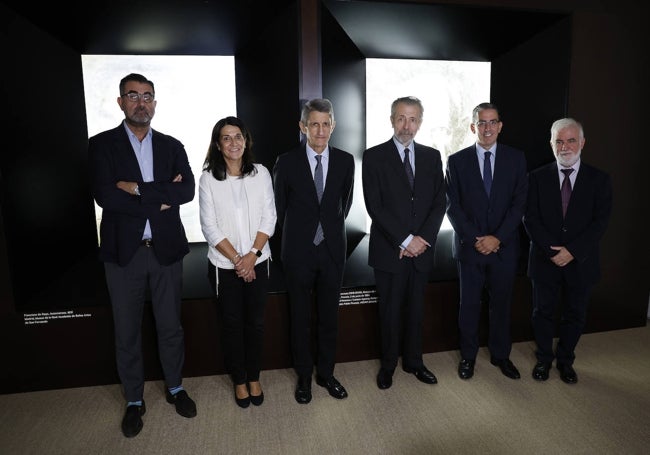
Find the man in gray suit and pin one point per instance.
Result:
(404, 192)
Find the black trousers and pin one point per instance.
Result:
(241, 309)
(497, 278)
(401, 301)
(569, 295)
(127, 288)
(319, 275)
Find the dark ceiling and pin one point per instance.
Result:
(212, 27)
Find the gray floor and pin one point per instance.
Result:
(607, 412)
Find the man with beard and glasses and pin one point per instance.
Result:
(140, 179)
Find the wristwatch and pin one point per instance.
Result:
(136, 190)
(256, 252)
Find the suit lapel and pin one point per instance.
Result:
(304, 168)
(394, 162)
(130, 160)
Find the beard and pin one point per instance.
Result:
(568, 160)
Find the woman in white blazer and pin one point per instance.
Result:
(237, 212)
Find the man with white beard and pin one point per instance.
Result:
(568, 208)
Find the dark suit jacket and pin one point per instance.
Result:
(395, 210)
(297, 204)
(472, 214)
(124, 216)
(580, 231)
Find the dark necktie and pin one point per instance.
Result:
(318, 181)
(487, 172)
(566, 189)
(408, 168)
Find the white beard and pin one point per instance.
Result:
(568, 160)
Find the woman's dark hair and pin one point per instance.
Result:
(214, 161)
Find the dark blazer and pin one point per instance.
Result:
(579, 232)
(124, 216)
(473, 214)
(396, 211)
(297, 204)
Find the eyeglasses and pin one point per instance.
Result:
(484, 123)
(134, 97)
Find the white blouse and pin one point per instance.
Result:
(236, 209)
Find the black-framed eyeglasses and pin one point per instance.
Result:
(134, 97)
(484, 123)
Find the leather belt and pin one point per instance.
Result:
(147, 242)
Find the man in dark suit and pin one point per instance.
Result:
(313, 187)
(569, 204)
(486, 199)
(140, 179)
(404, 192)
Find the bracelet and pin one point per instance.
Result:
(234, 259)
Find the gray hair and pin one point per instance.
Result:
(408, 100)
(319, 105)
(563, 123)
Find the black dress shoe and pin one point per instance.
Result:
(567, 373)
(185, 406)
(540, 372)
(242, 402)
(507, 368)
(257, 400)
(303, 390)
(422, 374)
(384, 379)
(333, 386)
(466, 368)
(132, 421)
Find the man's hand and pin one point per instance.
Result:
(129, 187)
(416, 247)
(487, 244)
(563, 257)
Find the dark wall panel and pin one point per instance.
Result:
(344, 83)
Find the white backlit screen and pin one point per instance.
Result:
(192, 94)
(449, 90)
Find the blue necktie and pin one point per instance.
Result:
(408, 168)
(487, 172)
(318, 181)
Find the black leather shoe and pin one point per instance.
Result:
(132, 421)
(303, 390)
(507, 368)
(242, 402)
(185, 406)
(422, 374)
(567, 373)
(333, 386)
(466, 368)
(384, 379)
(540, 372)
